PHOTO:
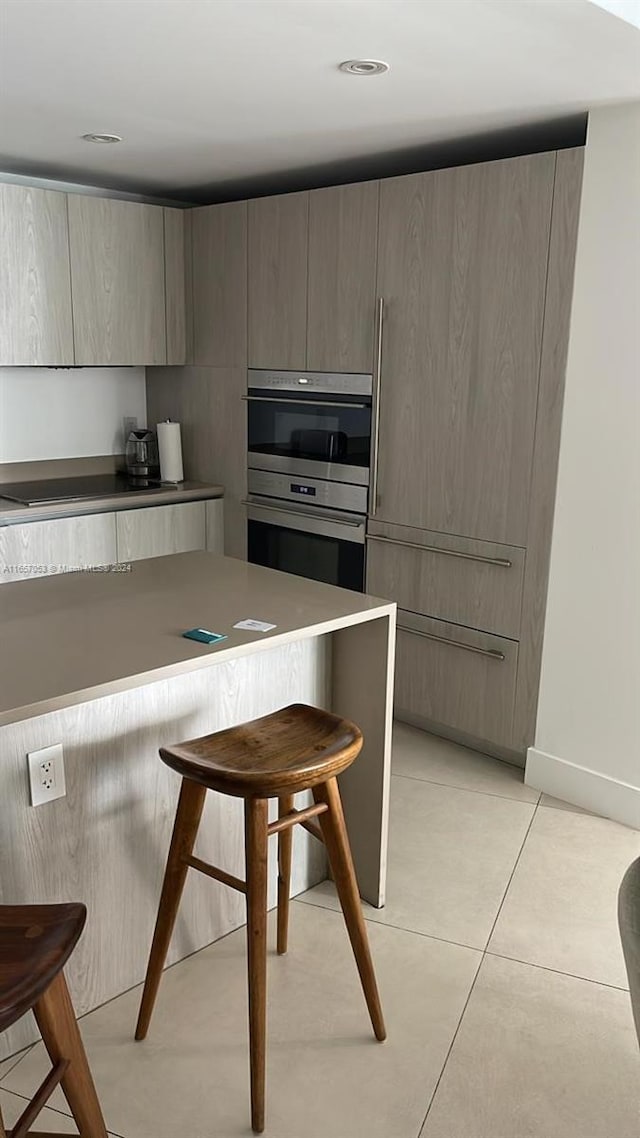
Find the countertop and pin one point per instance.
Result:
(13, 513)
(76, 637)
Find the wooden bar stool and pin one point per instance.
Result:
(297, 748)
(35, 943)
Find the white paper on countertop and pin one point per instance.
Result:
(255, 625)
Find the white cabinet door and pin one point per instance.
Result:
(159, 530)
(62, 545)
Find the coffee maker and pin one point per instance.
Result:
(143, 465)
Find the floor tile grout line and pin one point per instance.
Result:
(54, 1109)
(470, 790)
(482, 960)
(388, 925)
(18, 1059)
(555, 971)
(511, 876)
(451, 1046)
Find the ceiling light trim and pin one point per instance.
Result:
(101, 139)
(364, 66)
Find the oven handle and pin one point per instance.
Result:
(320, 516)
(377, 380)
(304, 402)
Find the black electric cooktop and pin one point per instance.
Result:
(74, 489)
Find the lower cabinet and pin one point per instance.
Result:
(455, 678)
(37, 549)
(156, 531)
(62, 545)
(214, 525)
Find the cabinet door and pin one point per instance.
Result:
(38, 549)
(174, 285)
(117, 276)
(219, 236)
(462, 262)
(277, 283)
(455, 678)
(156, 531)
(214, 515)
(343, 224)
(466, 582)
(35, 282)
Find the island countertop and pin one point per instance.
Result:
(76, 637)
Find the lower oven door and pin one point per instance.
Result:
(323, 545)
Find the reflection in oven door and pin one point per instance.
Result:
(317, 547)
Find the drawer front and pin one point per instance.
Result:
(455, 579)
(58, 545)
(157, 531)
(457, 677)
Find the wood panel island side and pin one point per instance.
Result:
(97, 662)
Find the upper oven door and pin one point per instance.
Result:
(314, 424)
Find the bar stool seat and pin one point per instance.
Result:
(36, 942)
(297, 748)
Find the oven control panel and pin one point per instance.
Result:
(329, 383)
(312, 491)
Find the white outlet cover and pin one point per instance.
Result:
(39, 781)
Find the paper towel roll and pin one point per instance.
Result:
(170, 451)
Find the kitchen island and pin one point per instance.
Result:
(97, 661)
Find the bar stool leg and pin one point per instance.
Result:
(185, 829)
(285, 843)
(256, 849)
(3, 1133)
(336, 840)
(57, 1022)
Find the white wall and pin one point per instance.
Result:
(67, 413)
(587, 747)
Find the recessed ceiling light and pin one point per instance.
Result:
(102, 138)
(364, 66)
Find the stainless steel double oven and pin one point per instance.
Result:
(309, 458)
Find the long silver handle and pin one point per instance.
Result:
(303, 514)
(303, 402)
(377, 379)
(503, 562)
(492, 653)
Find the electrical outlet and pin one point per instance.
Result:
(46, 774)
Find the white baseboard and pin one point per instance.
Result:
(583, 787)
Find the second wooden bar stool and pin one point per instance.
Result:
(297, 748)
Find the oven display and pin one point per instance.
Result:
(299, 488)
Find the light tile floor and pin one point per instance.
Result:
(500, 972)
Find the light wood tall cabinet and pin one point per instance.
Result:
(117, 270)
(343, 237)
(219, 240)
(475, 267)
(277, 281)
(35, 282)
(462, 266)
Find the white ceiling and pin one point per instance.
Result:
(214, 92)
